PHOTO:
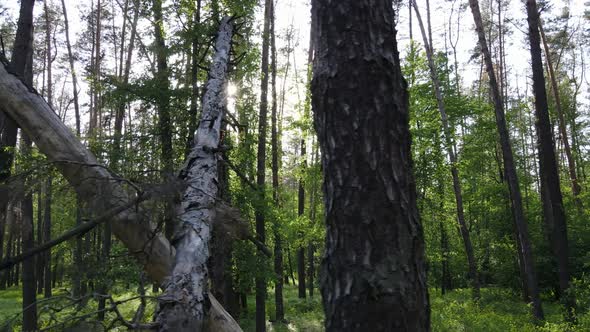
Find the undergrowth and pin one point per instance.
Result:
(498, 310)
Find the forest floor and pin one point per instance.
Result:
(498, 310)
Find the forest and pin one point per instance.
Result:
(291, 165)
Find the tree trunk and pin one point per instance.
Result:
(312, 194)
(39, 264)
(93, 127)
(124, 78)
(163, 101)
(300, 212)
(3, 227)
(509, 168)
(6, 275)
(450, 146)
(553, 210)
(23, 44)
(373, 271)
(22, 48)
(261, 169)
(194, 109)
(180, 310)
(28, 242)
(47, 237)
(561, 120)
(76, 282)
(46, 257)
(278, 249)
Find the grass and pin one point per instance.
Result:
(498, 310)
(51, 312)
(301, 314)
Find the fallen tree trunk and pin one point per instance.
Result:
(94, 183)
(97, 186)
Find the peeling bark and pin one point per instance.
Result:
(184, 304)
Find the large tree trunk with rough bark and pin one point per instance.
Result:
(510, 169)
(373, 271)
(553, 210)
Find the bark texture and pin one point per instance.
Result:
(373, 273)
(185, 302)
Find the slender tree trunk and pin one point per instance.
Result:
(509, 168)
(446, 281)
(195, 47)
(124, 78)
(28, 242)
(290, 263)
(93, 126)
(6, 276)
(571, 164)
(116, 155)
(46, 257)
(373, 271)
(76, 282)
(300, 213)
(163, 101)
(444, 247)
(553, 210)
(40, 259)
(473, 273)
(278, 250)
(47, 237)
(261, 169)
(3, 227)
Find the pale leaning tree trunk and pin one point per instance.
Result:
(184, 304)
(101, 189)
